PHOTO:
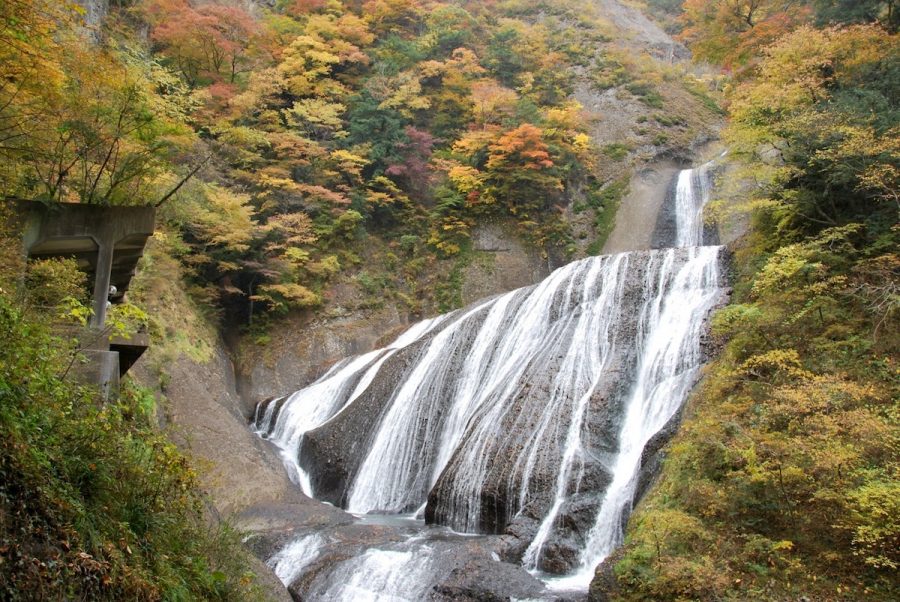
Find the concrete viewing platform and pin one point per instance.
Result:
(107, 243)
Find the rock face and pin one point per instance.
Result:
(306, 345)
(203, 414)
(642, 33)
(502, 263)
(649, 190)
(95, 12)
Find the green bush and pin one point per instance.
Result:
(95, 504)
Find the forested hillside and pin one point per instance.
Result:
(328, 140)
(784, 479)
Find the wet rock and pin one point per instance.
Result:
(640, 207)
(332, 453)
(605, 586)
(306, 345)
(485, 580)
(501, 262)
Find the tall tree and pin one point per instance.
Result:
(731, 32)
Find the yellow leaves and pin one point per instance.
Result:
(282, 296)
(802, 70)
(226, 219)
(383, 192)
(781, 269)
(392, 15)
(292, 228)
(875, 524)
(776, 361)
(379, 199)
(243, 137)
(461, 62)
(475, 141)
(347, 28)
(308, 62)
(269, 179)
(492, 101)
(822, 394)
(402, 92)
(736, 318)
(581, 142)
(466, 62)
(870, 156)
(317, 117)
(466, 178)
(566, 117)
(296, 256)
(350, 164)
(447, 234)
(800, 65)
(327, 267)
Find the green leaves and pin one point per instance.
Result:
(97, 503)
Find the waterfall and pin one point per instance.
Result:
(528, 413)
(286, 420)
(290, 561)
(691, 195)
(379, 575)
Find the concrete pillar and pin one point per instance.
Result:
(101, 283)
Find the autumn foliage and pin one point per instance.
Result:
(783, 481)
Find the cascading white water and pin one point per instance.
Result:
(510, 335)
(289, 562)
(379, 575)
(670, 359)
(310, 407)
(691, 195)
(501, 400)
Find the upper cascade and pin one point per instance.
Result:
(534, 413)
(680, 222)
(691, 195)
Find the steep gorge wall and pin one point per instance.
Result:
(305, 344)
(94, 12)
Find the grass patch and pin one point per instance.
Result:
(646, 93)
(605, 204)
(616, 151)
(708, 101)
(669, 120)
(448, 293)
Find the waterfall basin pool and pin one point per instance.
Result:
(399, 558)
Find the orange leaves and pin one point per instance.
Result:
(513, 168)
(492, 101)
(522, 148)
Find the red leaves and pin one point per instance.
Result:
(207, 42)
